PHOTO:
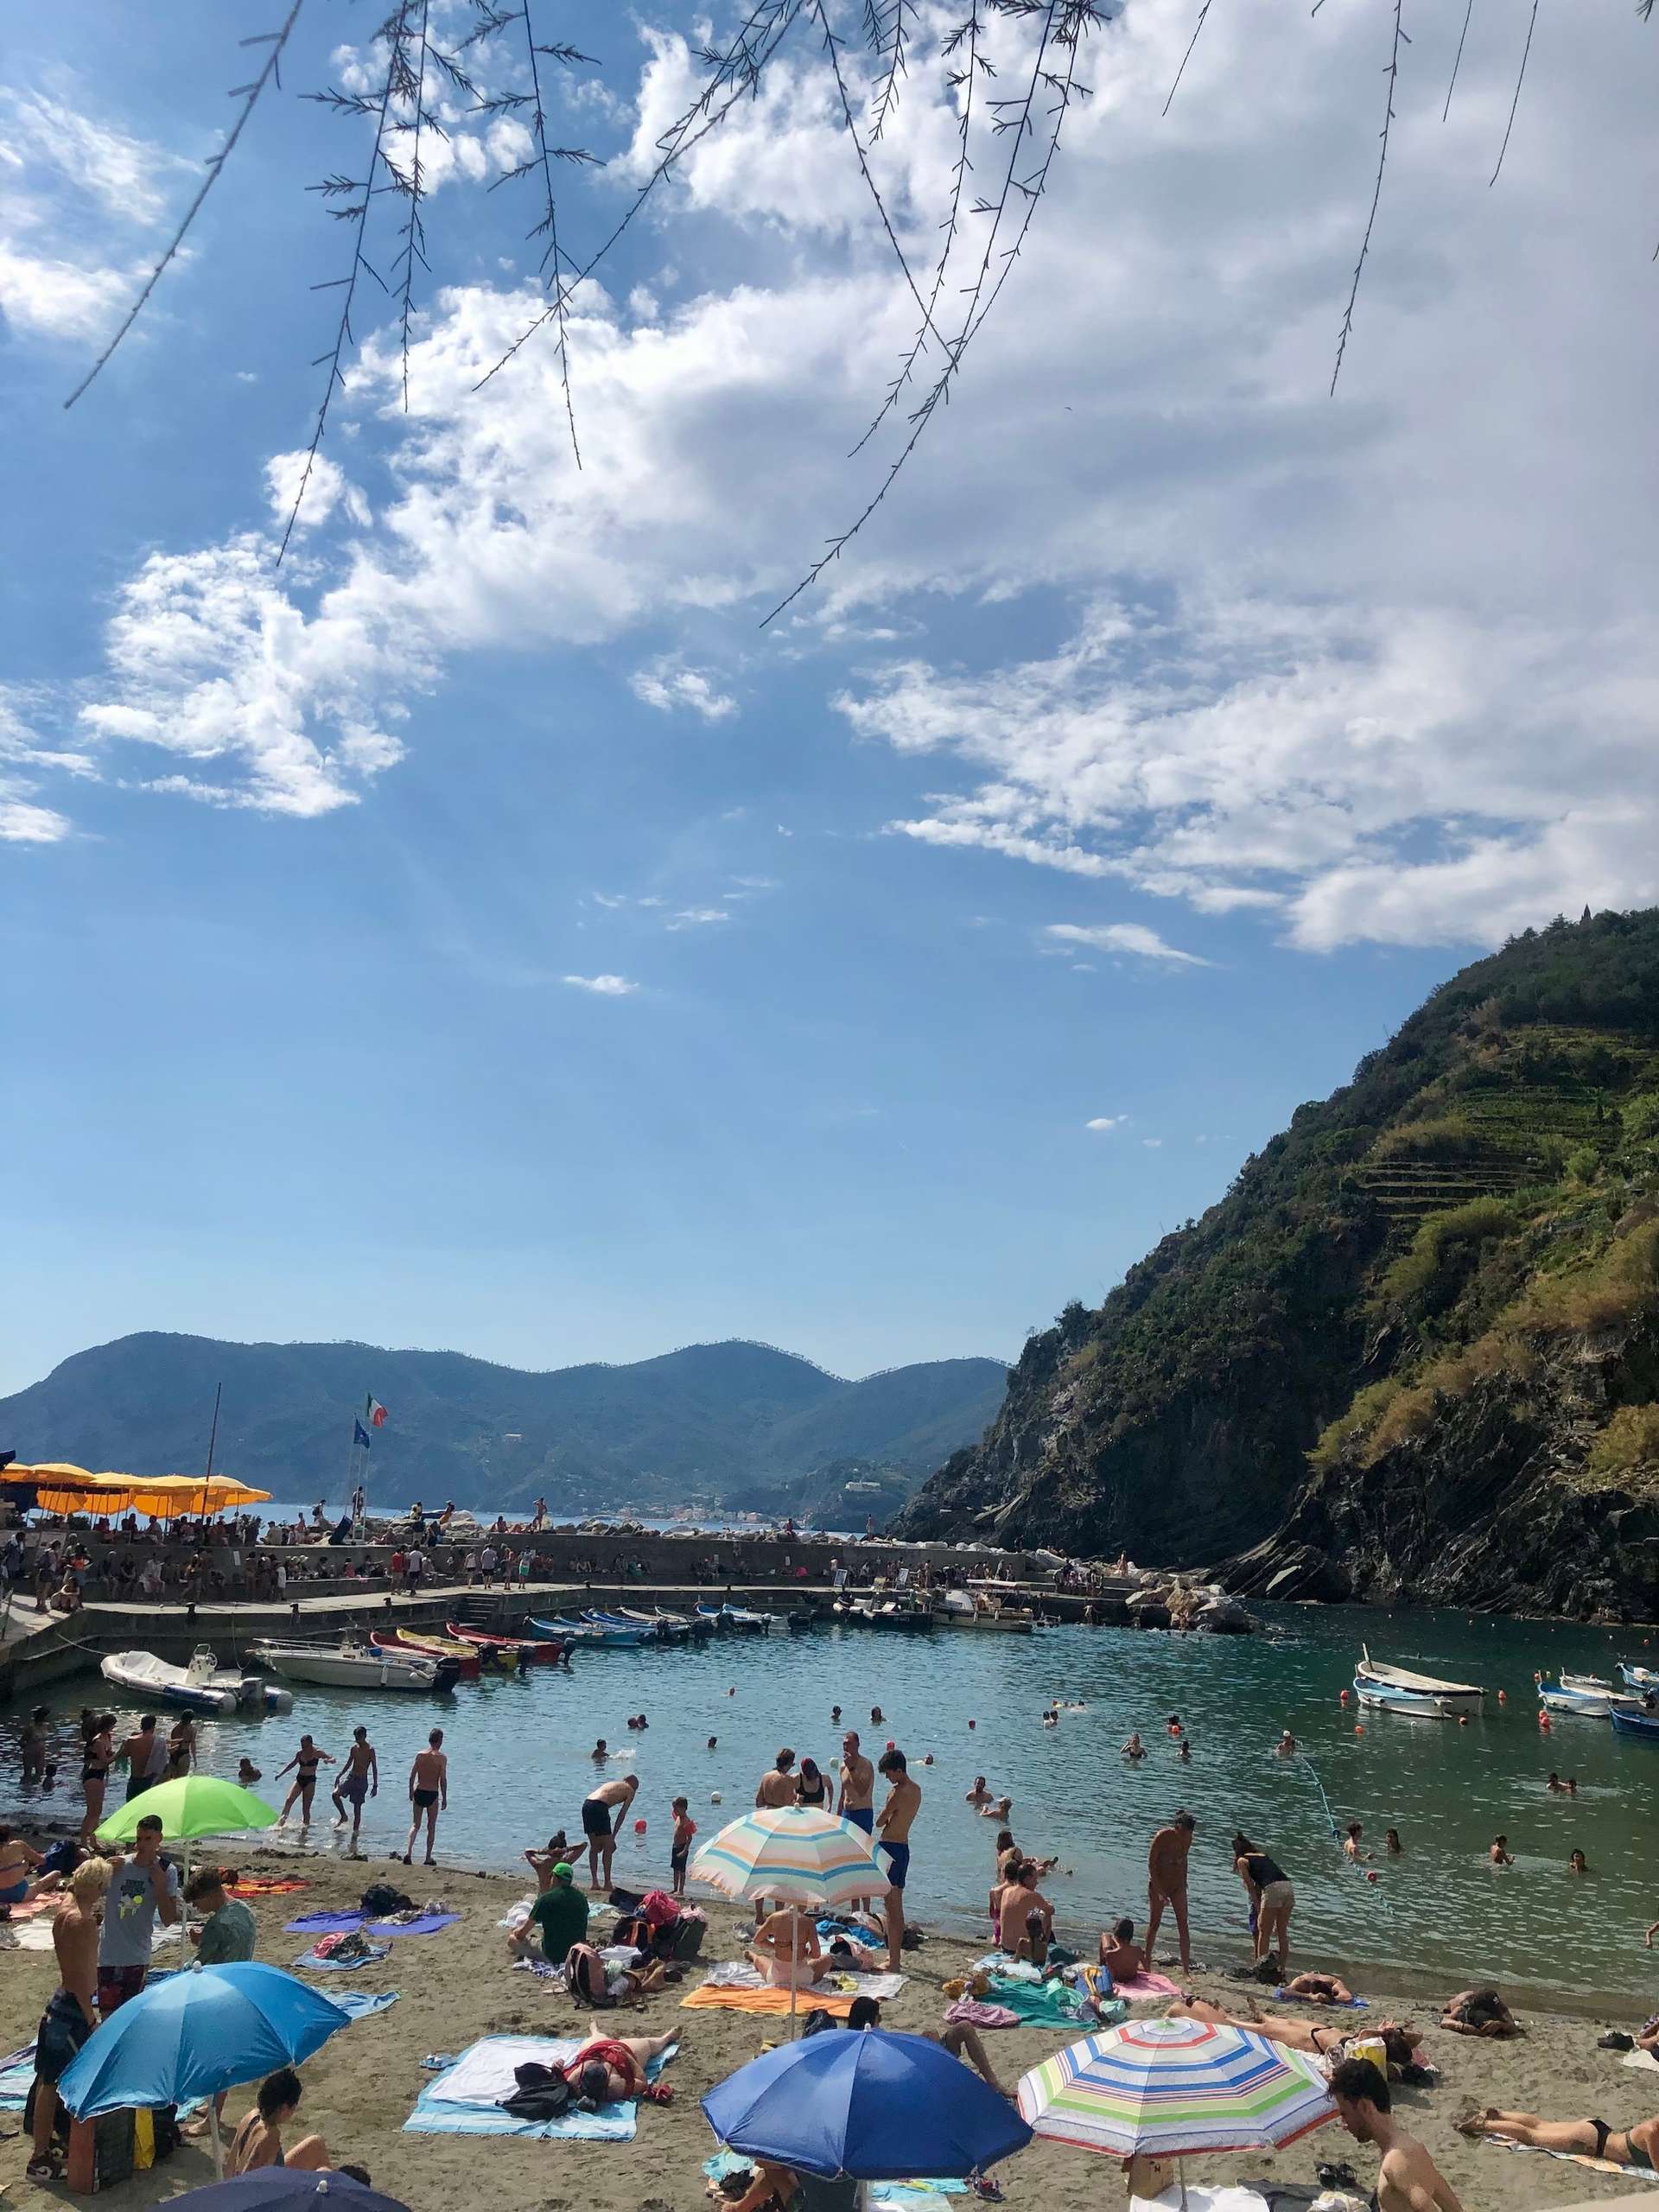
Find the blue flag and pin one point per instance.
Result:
(360, 1435)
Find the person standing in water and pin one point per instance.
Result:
(305, 1762)
(893, 1826)
(359, 1778)
(429, 1794)
(1166, 1884)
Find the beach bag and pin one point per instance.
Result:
(687, 1936)
(658, 1909)
(541, 2092)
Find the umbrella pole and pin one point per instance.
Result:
(794, 1968)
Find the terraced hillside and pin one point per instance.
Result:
(1429, 1309)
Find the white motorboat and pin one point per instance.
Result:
(1401, 1689)
(961, 1609)
(1641, 1678)
(357, 1666)
(203, 1686)
(1590, 1694)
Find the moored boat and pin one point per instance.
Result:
(962, 1609)
(1412, 1705)
(1589, 1694)
(357, 1666)
(544, 1648)
(470, 1662)
(1640, 1678)
(201, 1685)
(1383, 1686)
(1636, 1723)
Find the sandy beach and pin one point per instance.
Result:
(459, 1985)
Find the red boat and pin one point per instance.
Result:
(430, 1647)
(530, 1646)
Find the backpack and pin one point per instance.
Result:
(542, 2093)
(584, 1975)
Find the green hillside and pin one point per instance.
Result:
(703, 1423)
(1429, 1307)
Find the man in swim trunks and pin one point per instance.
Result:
(69, 2017)
(428, 1794)
(304, 1763)
(359, 1778)
(1408, 2179)
(856, 1802)
(892, 1826)
(140, 1751)
(601, 1809)
(1166, 1884)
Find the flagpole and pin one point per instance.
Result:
(212, 1438)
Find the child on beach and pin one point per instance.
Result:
(680, 1849)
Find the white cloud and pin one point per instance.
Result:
(43, 297)
(603, 986)
(328, 487)
(668, 683)
(1123, 937)
(127, 178)
(1152, 1143)
(23, 759)
(1380, 667)
(1107, 1121)
(698, 918)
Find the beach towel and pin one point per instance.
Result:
(344, 1923)
(1044, 2004)
(325, 1923)
(425, 1923)
(738, 1973)
(49, 1903)
(327, 1965)
(266, 1885)
(1336, 2004)
(974, 2013)
(16, 2072)
(1143, 1986)
(766, 2000)
(1643, 2061)
(359, 2003)
(1574, 2158)
(860, 1937)
(34, 1934)
(439, 2114)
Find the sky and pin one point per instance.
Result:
(485, 929)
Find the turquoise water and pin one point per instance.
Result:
(520, 1764)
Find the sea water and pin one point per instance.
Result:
(520, 1753)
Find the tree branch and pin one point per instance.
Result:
(1392, 73)
(1521, 79)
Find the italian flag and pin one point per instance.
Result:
(373, 1411)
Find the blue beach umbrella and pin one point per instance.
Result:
(198, 2032)
(871, 2104)
(286, 2189)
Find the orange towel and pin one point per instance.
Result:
(266, 1885)
(765, 2001)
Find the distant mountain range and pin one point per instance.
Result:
(733, 1423)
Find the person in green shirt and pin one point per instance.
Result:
(228, 1928)
(559, 1916)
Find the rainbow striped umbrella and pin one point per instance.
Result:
(797, 1855)
(1173, 2088)
(794, 1854)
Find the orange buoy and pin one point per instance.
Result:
(1342, 1697)
(1359, 1728)
(638, 1827)
(1371, 1873)
(1502, 1698)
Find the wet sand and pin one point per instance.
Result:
(459, 1985)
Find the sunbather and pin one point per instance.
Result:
(960, 2038)
(610, 2068)
(1320, 1988)
(1479, 2012)
(1120, 1954)
(258, 2140)
(787, 1951)
(1636, 2146)
(1400, 2039)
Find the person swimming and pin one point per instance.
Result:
(1134, 1749)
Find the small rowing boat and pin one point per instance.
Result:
(1589, 1694)
(470, 1662)
(1632, 1722)
(1401, 1689)
(544, 1648)
(1640, 1678)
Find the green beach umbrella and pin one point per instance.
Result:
(195, 1805)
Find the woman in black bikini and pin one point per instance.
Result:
(305, 1762)
(98, 1756)
(812, 1787)
(1629, 2146)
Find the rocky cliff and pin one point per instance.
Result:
(1414, 1351)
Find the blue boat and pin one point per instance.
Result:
(591, 1635)
(1645, 1724)
(1641, 1678)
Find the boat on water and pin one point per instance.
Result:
(989, 1616)
(1640, 1678)
(1589, 1694)
(735, 1619)
(594, 1634)
(550, 1649)
(203, 1686)
(1401, 1689)
(1632, 1721)
(471, 1662)
(668, 1628)
(623, 1631)
(358, 1666)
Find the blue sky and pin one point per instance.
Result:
(480, 932)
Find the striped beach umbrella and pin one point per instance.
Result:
(794, 1854)
(797, 1855)
(1175, 2088)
